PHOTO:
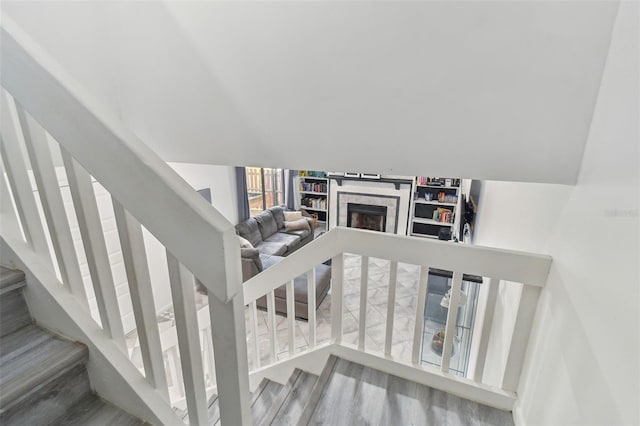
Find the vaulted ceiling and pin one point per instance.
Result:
(490, 90)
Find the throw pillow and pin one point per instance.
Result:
(244, 243)
(297, 225)
(291, 216)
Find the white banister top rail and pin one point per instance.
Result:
(509, 265)
(199, 236)
(528, 268)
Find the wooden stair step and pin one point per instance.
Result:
(10, 279)
(317, 391)
(23, 372)
(264, 400)
(294, 400)
(14, 313)
(93, 411)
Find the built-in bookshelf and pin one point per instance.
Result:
(435, 206)
(314, 190)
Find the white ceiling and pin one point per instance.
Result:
(488, 90)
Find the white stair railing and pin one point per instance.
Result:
(43, 107)
(510, 266)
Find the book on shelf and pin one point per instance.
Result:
(443, 215)
(313, 187)
(438, 181)
(314, 203)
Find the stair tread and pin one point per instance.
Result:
(355, 394)
(214, 404)
(317, 391)
(30, 357)
(265, 400)
(295, 399)
(9, 277)
(93, 411)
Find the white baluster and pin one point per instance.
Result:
(86, 208)
(210, 356)
(230, 346)
(485, 332)
(291, 317)
(452, 316)
(52, 205)
(391, 305)
(184, 307)
(15, 166)
(337, 274)
(271, 314)
(520, 338)
(175, 372)
(144, 310)
(253, 313)
(11, 227)
(423, 288)
(364, 284)
(311, 291)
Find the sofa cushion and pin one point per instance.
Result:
(249, 229)
(297, 225)
(268, 260)
(288, 216)
(244, 243)
(302, 233)
(292, 241)
(266, 224)
(273, 248)
(278, 215)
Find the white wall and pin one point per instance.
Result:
(582, 366)
(221, 180)
(383, 87)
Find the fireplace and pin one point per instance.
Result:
(366, 216)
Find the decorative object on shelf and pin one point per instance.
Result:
(369, 176)
(445, 299)
(351, 174)
(437, 343)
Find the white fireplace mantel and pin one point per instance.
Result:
(394, 194)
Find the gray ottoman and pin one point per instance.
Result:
(323, 283)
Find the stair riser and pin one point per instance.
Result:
(14, 313)
(50, 401)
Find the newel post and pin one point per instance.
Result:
(229, 342)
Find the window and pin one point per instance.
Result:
(264, 188)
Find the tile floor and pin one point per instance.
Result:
(404, 315)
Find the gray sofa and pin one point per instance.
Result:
(266, 233)
(271, 242)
